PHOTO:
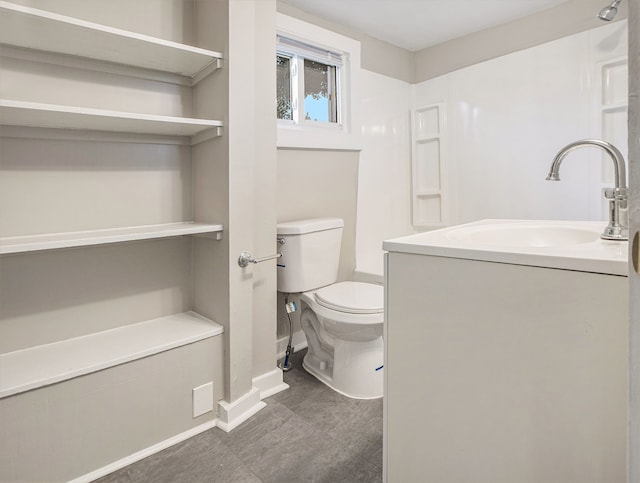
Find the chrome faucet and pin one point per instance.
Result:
(618, 227)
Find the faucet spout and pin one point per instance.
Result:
(618, 228)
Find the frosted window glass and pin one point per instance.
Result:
(320, 92)
(283, 87)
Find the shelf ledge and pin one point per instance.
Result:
(428, 193)
(40, 115)
(39, 366)
(54, 241)
(37, 29)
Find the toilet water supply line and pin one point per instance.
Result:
(290, 307)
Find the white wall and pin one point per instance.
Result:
(506, 120)
(509, 116)
(384, 181)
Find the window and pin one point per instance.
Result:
(308, 83)
(317, 94)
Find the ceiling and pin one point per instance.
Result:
(417, 24)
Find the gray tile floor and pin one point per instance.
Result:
(307, 433)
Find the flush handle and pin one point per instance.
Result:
(246, 258)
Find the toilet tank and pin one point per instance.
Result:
(310, 253)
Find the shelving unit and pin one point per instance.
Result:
(114, 264)
(53, 241)
(49, 37)
(427, 165)
(46, 364)
(36, 29)
(612, 79)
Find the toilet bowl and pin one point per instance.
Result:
(343, 324)
(342, 321)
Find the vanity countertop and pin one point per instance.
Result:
(569, 245)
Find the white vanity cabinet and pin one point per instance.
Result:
(502, 372)
(105, 231)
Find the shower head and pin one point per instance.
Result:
(609, 12)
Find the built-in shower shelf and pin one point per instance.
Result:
(614, 107)
(40, 115)
(37, 29)
(42, 365)
(54, 241)
(427, 138)
(428, 165)
(427, 193)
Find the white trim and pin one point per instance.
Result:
(231, 415)
(270, 383)
(144, 453)
(312, 135)
(385, 382)
(299, 342)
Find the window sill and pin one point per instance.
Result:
(308, 137)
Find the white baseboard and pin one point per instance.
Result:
(139, 455)
(299, 342)
(270, 383)
(231, 415)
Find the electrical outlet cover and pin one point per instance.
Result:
(202, 399)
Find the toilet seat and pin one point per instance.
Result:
(352, 297)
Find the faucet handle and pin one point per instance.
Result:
(615, 193)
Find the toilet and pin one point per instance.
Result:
(342, 321)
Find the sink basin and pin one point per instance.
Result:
(570, 245)
(525, 235)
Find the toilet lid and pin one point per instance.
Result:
(352, 297)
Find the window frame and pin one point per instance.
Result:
(298, 53)
(308, 134)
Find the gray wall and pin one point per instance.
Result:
(383, 58)
(568, 18)
(316, 184)
(376, 55)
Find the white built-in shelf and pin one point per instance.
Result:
(427, 165)
(32, 28)
(39, 115)
(425, 138)
(615, 106)
(46, 364)
(54, 241)
(427, 193)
